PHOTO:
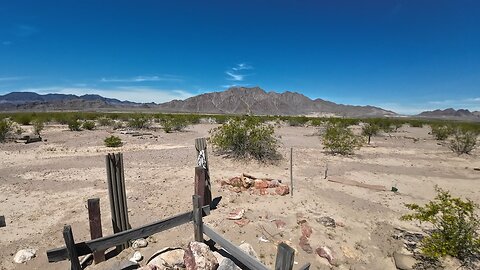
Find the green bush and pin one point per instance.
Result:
(176, 123)
(369, 130)
(23, 118)
(244, 138)
(463, 141)
(113, 141)
(441, 132)
(415, 123)
(139, 121)
(74, 125)
(455, 227)
(104, 121)
(5, 129)
(38, 126)
(88, 125)
(339, 139)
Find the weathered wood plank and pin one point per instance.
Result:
(2, 222)
(285, 256)
(84, 248)
(197, 218)
(95, 222)
(236, 252)
(200, 185)
(71, 249)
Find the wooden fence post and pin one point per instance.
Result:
(197, 218)
(201, 188)
(285, 256)
(291, 171)
(95, 221)
(2, 222)
(70, 244)
(202, 157)
(117, 194)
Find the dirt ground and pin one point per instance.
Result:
(46, 185)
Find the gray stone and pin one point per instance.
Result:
(227, 264)
(167, 258)
(404, 262)
(198, 256)
(139, 243)
(247, 248)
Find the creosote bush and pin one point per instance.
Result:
(104, 121)
(339, 139)
(38, 126)
(139, 121)
(369, 130)
(5, 129)
(441, 132)
(113, 141)
(463, 141)
(246, 138)
(455, 227)
(74, 125)
(88, 125)
(177, 123)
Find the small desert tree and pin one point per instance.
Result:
(369, 130)
(463, 141)
(5, 129)
(339, 139)
(244, 138)
(38, 126)
(455, 227)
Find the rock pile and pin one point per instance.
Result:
(260, 186)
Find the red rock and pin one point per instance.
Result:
(306, 230)
(282, 190)
(326, 253)
(242, 222)
(198, 256)
(236, 182)
(236, 214)
(259, 184)
(263, 191)
(305, 245)
(273, 183)
(280, 224)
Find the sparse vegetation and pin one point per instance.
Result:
(74, 125)
(113, 141)
(369, 130)
(38, 126)
(139, 121)
(5, 128)
(455, 227)
(88, 125)
(104, 121)
(244, 138)
(441, 131)
(170, 124)
(463, 141)
(339, 139)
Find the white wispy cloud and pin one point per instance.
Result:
(242, 66)
(143, 79)
(235, 85)
(234, 72)
(130, 93)
(472, 104)
(235, 77)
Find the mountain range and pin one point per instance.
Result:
(235, 100)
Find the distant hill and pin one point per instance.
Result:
(450, 113)
(254, 100)
(235, 100)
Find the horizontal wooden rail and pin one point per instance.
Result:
(87, 247)
(235, 251)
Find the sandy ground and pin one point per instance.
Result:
(46, 185)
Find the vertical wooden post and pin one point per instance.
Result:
(95, 221)
(2, 222)
(285, 256)
(197, 218)
(70, 244)
(201, 145)
(200, 184)
(291, 171)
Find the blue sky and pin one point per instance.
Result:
(407, 56)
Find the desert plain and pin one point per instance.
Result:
(45, 185)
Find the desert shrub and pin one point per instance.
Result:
(5, 129)
(463, 141)
(339, 139)
(244, 138)
(38, 126)
(455, 227)
(104, 121)
(113, 141)
(74, 125)
(415, 123)
(441, 132)
(297, 121)
(139, 121)
(117, 124)
(88, 125)
(23, 118)
(369, 130)
(176, 123)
